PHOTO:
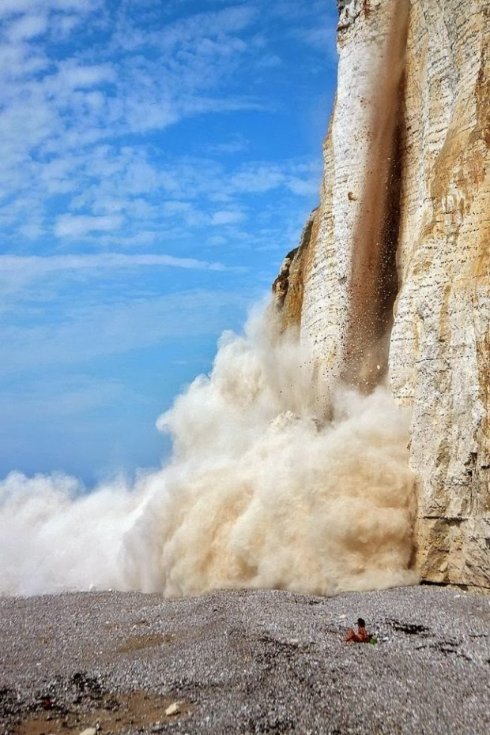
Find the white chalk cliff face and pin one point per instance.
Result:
(392, 277)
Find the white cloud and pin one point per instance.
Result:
(59, 114)
(321, 37)
(38, 266)
(236, 144)
(38, 282)
(78, 156)
(227, 217)
(74, 75)
(28, 26)
(304, 187)
(73, 397)
(205, 26)
(258, 179)
(79, 225)
(89, 331)
(14, 7)
(300, 178)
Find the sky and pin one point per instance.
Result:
(158, 160)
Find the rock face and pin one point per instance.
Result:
(393, 272)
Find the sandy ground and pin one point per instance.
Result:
(245, 662)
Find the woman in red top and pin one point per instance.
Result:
(362, 636)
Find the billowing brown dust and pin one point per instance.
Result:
(260, 492)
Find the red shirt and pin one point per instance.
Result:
(362, 636)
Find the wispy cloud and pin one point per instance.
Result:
(28, 26)
(72, 126)
(73, 397)
(68, 225)
(86, 332)
(44, 280)
(57, 110)
(299, 177)
(40, 265)
(226, 217)
(235, 144)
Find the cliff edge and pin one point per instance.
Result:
(392, 277)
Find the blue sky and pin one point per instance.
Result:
(158, 159)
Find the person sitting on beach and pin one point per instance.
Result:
(361, 636)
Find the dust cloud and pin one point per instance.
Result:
(261, 491)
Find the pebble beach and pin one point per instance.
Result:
(245, 661)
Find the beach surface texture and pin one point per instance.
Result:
(245, 662)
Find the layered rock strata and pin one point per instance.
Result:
(393, 272)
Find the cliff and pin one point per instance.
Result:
(392, 276)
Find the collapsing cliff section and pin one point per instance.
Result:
(404, 215)
(348, 278)
(288, 288)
